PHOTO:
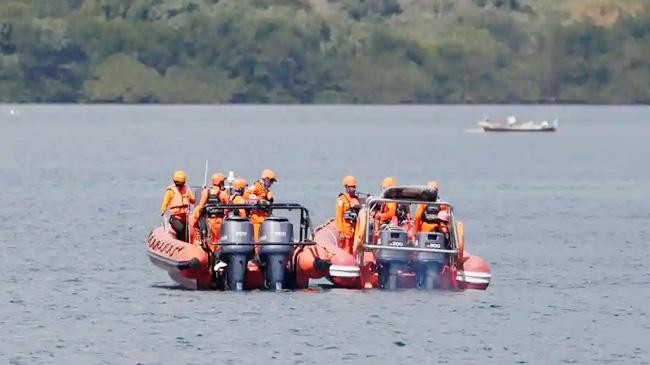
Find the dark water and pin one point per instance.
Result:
(563, 220)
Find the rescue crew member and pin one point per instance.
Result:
(260, 192)
(178, 198)
(386, 210)
(426, 216)
(442, 223)
(347, 209)
(237, 197)
(208, 216)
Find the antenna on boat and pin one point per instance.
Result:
(205, 175)
(229, 180)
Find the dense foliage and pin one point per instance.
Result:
(321, 51)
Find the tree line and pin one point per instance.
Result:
(325, 51)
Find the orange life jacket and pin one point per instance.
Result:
(260, 191)
(233, 200)
(439, 227)
(387, 212)
(180, 203)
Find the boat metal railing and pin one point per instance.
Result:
(306, 228)
(374, 202)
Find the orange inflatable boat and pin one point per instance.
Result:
(396, 256)
(279, 262)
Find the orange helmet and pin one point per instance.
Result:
(388, 182)
(349, 181)
(218, 178)
(433, 185)
(269, 174)
(179, 176)
(239, 184)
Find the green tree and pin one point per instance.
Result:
(121, 78)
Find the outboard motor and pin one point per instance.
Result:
(429, 264)
(276, 238)
(391, 261)
(236, 249)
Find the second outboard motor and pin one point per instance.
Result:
(236, 249)
(276, 238)
(429, 264)
(391, 261)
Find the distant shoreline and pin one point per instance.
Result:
(318, 52)
(3, 104)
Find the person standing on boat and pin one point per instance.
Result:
(178, 198)
(260, 192)
(206, 214)
(347, 210)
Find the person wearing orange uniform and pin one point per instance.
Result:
(260, 192)
(387, 210)
(347, 209)
(237, 197)
(178, 198)
(426, 216)
(207, 212)
(441, 223)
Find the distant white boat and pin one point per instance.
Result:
(512, 125)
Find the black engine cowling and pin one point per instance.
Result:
(390, 262)
(236, 249)
(276, 238)
(430, 264)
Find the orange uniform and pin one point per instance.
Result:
(238, 199)
(441, 227)
(258, 192)
(178, 201)
(211, 193)
(434, 227)
(427, 224)
(214, 217)
(387, 212)
(346, 220)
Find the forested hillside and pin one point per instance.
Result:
(325, 51)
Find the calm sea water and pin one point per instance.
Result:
(563, 220)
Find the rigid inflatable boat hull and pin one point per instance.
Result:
(187, 264)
